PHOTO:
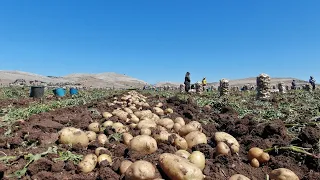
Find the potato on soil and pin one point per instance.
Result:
(106, 115)
(144, 144)
(178, 141)
(127, 137)
(228, 139)
(160, 104)
(146, 124)
(254, 163)
(140, 170)
(283, 174)
(103, 139)
(180, 121)
(195, 138)
(166, 122)
(133, 118)
(182, 153)
(168, 111)
(73, 136)
(258, 153)
(158, 111)
(177, 127)
(222, 148)
(161, 136)
(198, 158)
(91, 135)
(105, 157)
(238, 177)
(190, 127)
(125, 164)
(88, 163)
(179, 168)
(95, 127)
(119, 127)
(98, 151)
(145, 131)
(107, 123)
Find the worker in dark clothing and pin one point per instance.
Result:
(187, 82)
(293, 84)
(312, 81)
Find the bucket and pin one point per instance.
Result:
(73, 91)
(60, 92)
(37, 91)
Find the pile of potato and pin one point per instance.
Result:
(155, 126)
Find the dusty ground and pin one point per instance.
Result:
(43, 127)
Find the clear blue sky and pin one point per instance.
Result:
(159, 40)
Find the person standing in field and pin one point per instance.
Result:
(293, 84)
(312, 81)
(204, 83)
(187, 82)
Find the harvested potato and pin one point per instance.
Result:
(178, 141)
(158, 111)
(182, 153)
(254, 152)
(145, 131)
(95, 127)
(125, 164)
(161, 136)
(133, 125)
(144, 144)
(91, 135)
(140, 170)
(133, 118)
(198, 158)
(190, 127)
(119, 127)
(283, 174)
(177, 127)
(73, 136)
(263, 158)
(128, 110)
(146, 124)
(88, 163)
(168, 111)
(254, 163)
(107, 123)
(98, 151)
(222, 148)
(179, 168)
(105, 157)
(103, 139)
(196, 137)
(160, 104)
(106, 115)
(228, 139)
(166, 122)
(180, 121)
(126, 138)
(238, 177)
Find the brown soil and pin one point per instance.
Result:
(41, 130)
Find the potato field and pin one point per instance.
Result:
(153, 135)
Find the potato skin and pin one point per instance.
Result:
(198, 159)
(140, 170)
(228, 139)
(125, 164)
(71, 135)
(238, 177)
(283, 174)
(144, 144)
(179, 168)
(88, 163)
(195, 137)
(190, 127)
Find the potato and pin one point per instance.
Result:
(133, 125)
(158, 111)
(263, 158)
(97, 151)
(73, 136)
(255, 163)
(190, 127)
(228, 139)
(103, 139)
(95, 127)
(144, 144)
(168, 111)
(119, 127)
(128, 110)
(161, 136)
(133, 118)
(178, 141)
(107, 123)
(166, 122)
(238, 177)
(180, 121)
(198, 159)
(140, 170)
(146, 124)
(196, 137)
(182, 153)
(105, 157)
(88, 163)
(125, 164)
(106, 115)
(160, 104)
(91, 135)
(254, 152)
(177, 127)
(126, 138)
(222, 148)
(145, 131)
(179, 168)
(283, 174)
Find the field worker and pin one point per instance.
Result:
(198, 87)
(312, 81)
(293, 84)
(187, 82)
(204, 83)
